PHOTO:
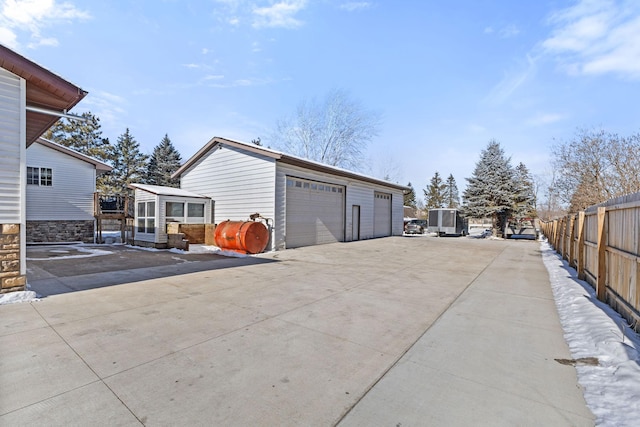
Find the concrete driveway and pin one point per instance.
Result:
(394, 331)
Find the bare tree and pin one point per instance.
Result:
(596, 166)
(335, 132)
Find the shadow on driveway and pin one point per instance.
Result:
(59, 269)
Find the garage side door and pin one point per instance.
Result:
(314, 213)
(381, 214)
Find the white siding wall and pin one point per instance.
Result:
(71, 195)
(12, 101)
(359, 194)
(240, 183)
(397, 212)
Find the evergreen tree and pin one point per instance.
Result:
(490, 189)
(434, 194)
(452, 196)
(410, 196)
(164, 161)
(524, 203)
(129, 164)
(82, 136)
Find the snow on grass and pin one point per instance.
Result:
(605, 349)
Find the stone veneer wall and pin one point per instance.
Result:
(10, 276)
(60, 231)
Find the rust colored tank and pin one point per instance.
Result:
(241, 236)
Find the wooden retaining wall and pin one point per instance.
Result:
(603, 244)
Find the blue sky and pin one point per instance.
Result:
(446, 76)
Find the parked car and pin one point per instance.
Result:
(415, 226)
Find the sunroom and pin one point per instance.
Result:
(158, 207)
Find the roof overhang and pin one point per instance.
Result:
(283, 158)
(100, 166)
(49, 94)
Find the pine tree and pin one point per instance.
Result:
(129, 164)
(452, 196)
(164, 161)
(83, 136)
(434, 194)
(524, 204)
(490, 189)
(410, 196)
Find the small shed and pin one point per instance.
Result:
(157, 207)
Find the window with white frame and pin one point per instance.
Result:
(195, 210)
(40, 176)
(146, 217)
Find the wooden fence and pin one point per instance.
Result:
(602, 243)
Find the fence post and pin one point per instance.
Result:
(580, 256)
(564, 237)
(602, 254)
(572, 236)
(555, 235)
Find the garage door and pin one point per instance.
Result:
(314, 213)
(381, 214)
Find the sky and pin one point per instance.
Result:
(446, 77)
(592, 330)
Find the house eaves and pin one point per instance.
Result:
(283, 158)
(218, 141)
(100, 166)
(45, 91)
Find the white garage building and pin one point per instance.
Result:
(306, 202)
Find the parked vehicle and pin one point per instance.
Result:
(447, 222)
(415, 226)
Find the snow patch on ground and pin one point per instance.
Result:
(14, 297)
(599, 336)
(87, 253)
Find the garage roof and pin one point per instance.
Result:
(45, 90)
(284, 158)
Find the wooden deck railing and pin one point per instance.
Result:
(603, 244)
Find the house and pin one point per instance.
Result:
(157, 206)
(61, 183)
(305, 202)
(31, 100)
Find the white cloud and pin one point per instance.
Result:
(544, 119)
(511, 81)
(33, 17)
(353, 6)
(279, 15)
(597, 37)
(509, 31)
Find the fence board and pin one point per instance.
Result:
(603, 244)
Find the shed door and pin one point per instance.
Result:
(381, 215)
(314, 213)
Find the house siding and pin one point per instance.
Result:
(70, 198)
(240, 183)
(12, 174)
(11, 147)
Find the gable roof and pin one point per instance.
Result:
(284, 158)
(166, 191)
(46, 91)
(100, 166)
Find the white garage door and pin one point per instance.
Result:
(314, 213)
(382, 215)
